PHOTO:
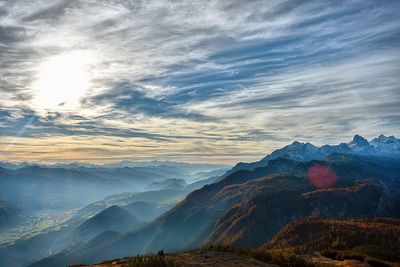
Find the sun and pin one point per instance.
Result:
(62, 81)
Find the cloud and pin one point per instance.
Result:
(333, 99)
(192, 78)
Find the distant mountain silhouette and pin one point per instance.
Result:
(66, 186)
(33, 248)
(247, 208)
(10, 216)
(167, 184)
(146, 211)
(62, 189)
(113, 218)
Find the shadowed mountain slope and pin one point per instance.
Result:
(113, 218)
(247, 207)
(383, 146)
(147, 211)
(56, 239)
(259, 216)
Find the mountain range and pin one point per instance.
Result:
(385, 146)
(93, 218)
(112, 218)
(9, 216)
(248, 205)
(65, 187)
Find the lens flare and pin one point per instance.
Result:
(322, 176)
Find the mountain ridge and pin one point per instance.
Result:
(113, 218)
(381, 145)
(313, 234)
(246, 207)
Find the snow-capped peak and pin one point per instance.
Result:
(358, 141)
(385, 139)
(384, 146)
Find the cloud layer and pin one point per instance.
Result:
(199, 81)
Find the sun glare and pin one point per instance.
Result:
(62, 81)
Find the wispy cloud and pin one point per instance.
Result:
(187, 79)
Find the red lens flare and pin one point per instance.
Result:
(322, 176)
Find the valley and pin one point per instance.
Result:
(248, 208)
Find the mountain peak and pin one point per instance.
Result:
(358, 140)
(296, 143)
(385, 139)
(113, 218)
(358, 137)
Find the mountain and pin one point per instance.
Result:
(358, 142)
(147, 211)
(182, 167)
(10, 216)
(199, 184)
(54, 238)
(388, 145)
(249, 222)
(161, 198)
(199, 176)
(248, 207)
(77, 253)
(381, 146)
(167, 184)
(62, 189)
(113, 218)
(13, 166)
(65, 188)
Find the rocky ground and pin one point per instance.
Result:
(215, 258)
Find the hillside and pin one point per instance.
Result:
(258, 217)
(247, 208)
(378, 238)
(146, 211)
(167, 184)
(113, 218)
(57, 238)
(366, 243)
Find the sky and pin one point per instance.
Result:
(197, 81)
